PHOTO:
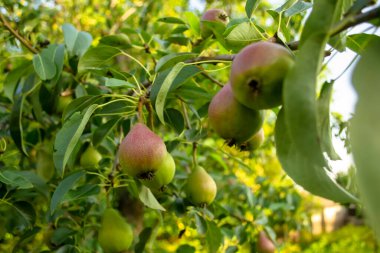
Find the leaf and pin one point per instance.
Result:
(172, 59)
(64, 186)
(113, 82)
(299, 7)
(116, 40)
(147, 197)
(44, 66)
(185, 248)
(171, 20)
(97, 57)
(162, 93)
(68, 136)
(76, 42)
(15, 120)
(13, 78)
(250, 6)
(79, 104)
(324, 121)
(300, 108)
(288, 4)
(175, 119)
(143, 239)
(15, 178)
(103, 130)
(303, 170)
(186, 73)
(214, 237)
(82, 191)
(25, 211)
(358, 42)
(365, 136)
(244, 34)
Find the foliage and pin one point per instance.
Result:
(80, 74)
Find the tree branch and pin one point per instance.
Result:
(25, 42)
(212, 59)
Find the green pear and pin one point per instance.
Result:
(141, 152)
(45, 164)
(231, 120)
(258, 72)
(90, 157)
(115, 234)
(163, 176)
(218, 16)
(200, 187)
(254, 142)
(63, 102)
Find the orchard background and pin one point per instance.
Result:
(78, 76)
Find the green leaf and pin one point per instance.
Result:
(15, 178)
(25, 212)
(324, 121)
(302, 169)
(186, 73)
(214, 237)
(365, 134)
(13, 78)
(64, 186)
(250, 6)
(147, 197)
(143, 239)
(161, 96)
(44, 65)
(175, 119)
(113, 82)
(76, 42)
(82, 191)
(116, 40)
(80, 104)
(288, 4)
(15, 120)
(358, 42)
(244, 34)
(68, 137)
(171, 20)
(172, 59)
(299, 7)
(97, 57)
(301, 114)
(103, 130)
(185, 248)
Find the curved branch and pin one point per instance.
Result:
(25, 42)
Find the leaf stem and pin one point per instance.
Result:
(24, 41)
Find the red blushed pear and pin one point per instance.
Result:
(214, 15)
(258, 72)
(141, 152)
(264, 244)
(231, 120)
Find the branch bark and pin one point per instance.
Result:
(24, 41)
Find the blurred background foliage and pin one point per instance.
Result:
(254, 193)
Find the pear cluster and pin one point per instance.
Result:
(143, 155)
(256, 80)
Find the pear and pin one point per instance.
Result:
(163, 176)
(200, 187)
(90, 157)
(257, 74)
(264, 244)
(63, 102)
(254, 142)
(45, 164)
(218, 16)
(231, 120)
(115, 234)
(141, 152)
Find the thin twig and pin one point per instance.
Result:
(212, 59)
(149, 108)
(205, 74)
(24, 41)
(140, 114)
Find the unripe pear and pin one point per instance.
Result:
(254, 142)
(233, 121)
(63, 102)
(257, 74)
(163, 176)
(90, 157)
(115, 234)
(264, 244)
(214, 15)
(45, 165)
(141, 152)
(200, 187)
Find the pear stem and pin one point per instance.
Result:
(140, 105)
(195, 146)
